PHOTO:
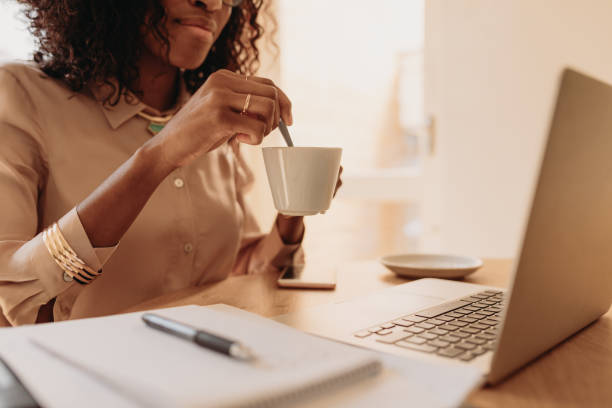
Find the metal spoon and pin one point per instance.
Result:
(285, 132)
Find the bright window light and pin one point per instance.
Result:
(16, 43)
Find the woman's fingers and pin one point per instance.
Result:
(248, 129)
(262, 87)
(259, 107)
(339, 182)
(283, 100)
(229, 105)
(277, 116)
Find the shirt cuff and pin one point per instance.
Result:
(71, 227)
(104, 253)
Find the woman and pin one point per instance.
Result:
(126, 133)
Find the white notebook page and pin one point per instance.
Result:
(152, 368)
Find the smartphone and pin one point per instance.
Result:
(307, 277)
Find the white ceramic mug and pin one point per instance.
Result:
(302, 179)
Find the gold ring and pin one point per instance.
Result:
(247, 102)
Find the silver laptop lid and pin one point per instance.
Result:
(563, 276)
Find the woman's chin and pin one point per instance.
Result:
(189, 61)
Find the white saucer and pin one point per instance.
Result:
(431, 265)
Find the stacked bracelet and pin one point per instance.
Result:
(65, 257)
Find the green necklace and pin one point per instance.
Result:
(156, 123)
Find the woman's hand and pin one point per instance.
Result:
(213, 115)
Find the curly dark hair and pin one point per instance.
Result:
(93, 40)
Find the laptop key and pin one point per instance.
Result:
(445, 319)
(403, 323)
(467, 356)
(471, 299)
(393, 338)
(387, 325)
(362, 334)
(479, 326)
(438, 343)
(375, 329)
(467, 319)
(488, 322)
(416, 340)
(454, 314)
(489, 346)
(478, 351)
(415, 330)
(487, 302)
(458, 323)
(428, 336)
(463, 311)
(448, 327)
(450, 338)
(384, 332)
(461, 334)
(418, 347)
(480, 305)
(425, 325)
(477, 341)
(492, 292)
(470, 330)
(437, 322)
(465, 346)
(438, 331)
(441, 309)
(414, 319)
(472, 308)
(450, 352)
(486, 312)
(477, 316)
(486, 336)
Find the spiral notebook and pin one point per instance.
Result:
(118, 361)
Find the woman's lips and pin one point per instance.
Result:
(200, 24)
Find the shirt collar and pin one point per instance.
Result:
(129, 105)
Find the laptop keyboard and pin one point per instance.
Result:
(461, 329)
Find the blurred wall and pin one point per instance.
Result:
(15, 41)
(491, 74)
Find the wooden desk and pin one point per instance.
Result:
(577, 373)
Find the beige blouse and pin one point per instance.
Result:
(56, 147)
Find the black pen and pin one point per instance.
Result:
(210, 341)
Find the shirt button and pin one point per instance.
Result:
(67, 278)
(188, 248)
(178, 182)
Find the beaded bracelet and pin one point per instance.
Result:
(65, 257)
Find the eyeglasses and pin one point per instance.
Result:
(232, 3)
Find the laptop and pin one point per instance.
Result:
(562, 278)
